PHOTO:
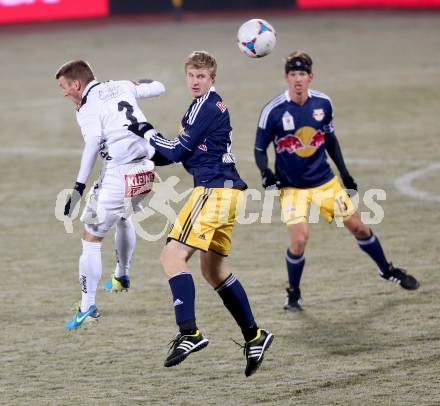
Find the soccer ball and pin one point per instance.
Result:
(256, 38)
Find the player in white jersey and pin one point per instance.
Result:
(104, 112)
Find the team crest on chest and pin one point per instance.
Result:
(288, 123)
(318, 114)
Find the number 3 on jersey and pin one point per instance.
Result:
(123, 105)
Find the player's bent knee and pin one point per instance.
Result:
(298, 247)
(209, 277)
(363, 232)
(173, 259)
(166, 257)
(90, 237)
(204, 269)
(357, 228)
(298, 243)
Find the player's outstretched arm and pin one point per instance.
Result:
(173, 150)
(145, 88)
(268, 178)
(146, 130)
(334, 150)
(189, 138)
(160, 160)
(143, 130)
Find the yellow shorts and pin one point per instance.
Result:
(331, 199)
(207, 218)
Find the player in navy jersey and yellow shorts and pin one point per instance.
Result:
(299, 125)
(206, 221)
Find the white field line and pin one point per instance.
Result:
(404, 183)
(43, 151)
(38, 152)
(355, 161)
(27, 104)
(382, 162)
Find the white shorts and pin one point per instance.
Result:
(117, 194)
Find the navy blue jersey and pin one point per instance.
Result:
(204, 144)
(298, 133)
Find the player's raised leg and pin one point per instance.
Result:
(125, 243)
(189, 339)
(90, 270)
(257, 341)
(370, 244)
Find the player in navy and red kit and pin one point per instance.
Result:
(206, 221)
(299, 124)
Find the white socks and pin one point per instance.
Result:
(125, 243)
(90, 263)
(90, 270)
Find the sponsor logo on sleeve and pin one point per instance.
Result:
(221, 106)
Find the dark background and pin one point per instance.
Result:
(135, 6)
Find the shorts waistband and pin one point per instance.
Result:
(141, 158)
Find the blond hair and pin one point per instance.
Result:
(76, 70)
(202, 60)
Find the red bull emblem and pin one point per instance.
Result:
(304, 144)
(290, 143)
(317, 139)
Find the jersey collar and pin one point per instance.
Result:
(86, 91)
(211, 89)
(88, 87)
(287, 95)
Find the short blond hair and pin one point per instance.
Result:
(76, 70)
(202, 60)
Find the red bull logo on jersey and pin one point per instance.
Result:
(317, 140)
(290, 143)
(303, 143)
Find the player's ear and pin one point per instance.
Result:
(77, 83)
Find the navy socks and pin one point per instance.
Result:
(235, 300)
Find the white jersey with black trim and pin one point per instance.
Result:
(106, 111)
